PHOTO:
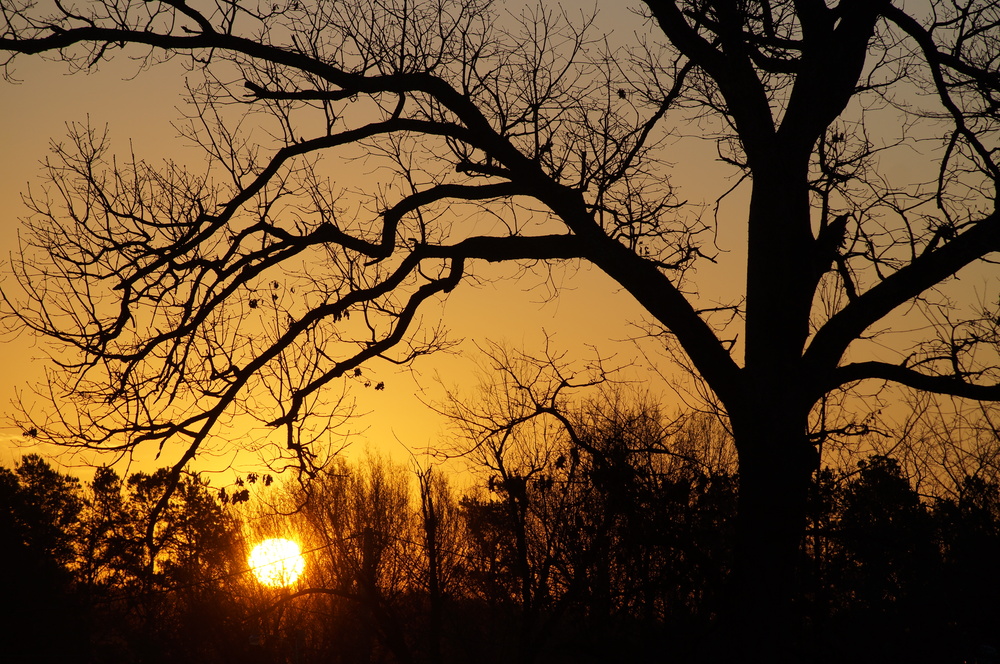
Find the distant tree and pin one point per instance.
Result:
(42, 509)
(602, 521)
(183, 293)
(127, 541)
(39, 522)
(366, 562)
(104, 545)
(892, 564)
(166, 598)
(883, 575)
(651, 527)
(970, 536)
(520, 523)
(444, 548)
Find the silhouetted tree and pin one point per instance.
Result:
(970, 538)
(366, 562)
(630, 543)
(105, 544)
(42, 510)
(891, 567)
(39, 521)
(625, 515)
(653, 527)
(164, 600)
(179, 290)
(443, 548)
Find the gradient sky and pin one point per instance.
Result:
(139, 110)
(589, 310)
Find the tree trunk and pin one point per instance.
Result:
(770, 415)
(776, 464)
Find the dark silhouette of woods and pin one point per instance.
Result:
(82, 586)
(613, 550)
(184, 299)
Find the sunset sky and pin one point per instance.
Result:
(138, 110)
(589, 309)
(770, 436)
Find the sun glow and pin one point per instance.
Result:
(277, 562)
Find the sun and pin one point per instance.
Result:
(277, 562)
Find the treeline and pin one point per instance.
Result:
(612, 546)
(85, 580)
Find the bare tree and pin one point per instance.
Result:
(517, 137)
(510, 431)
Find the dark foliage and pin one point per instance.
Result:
(607, 553)
(83, 583)
(39, 510)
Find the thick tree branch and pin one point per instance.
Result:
(350, 83)
(497, 249)
(259, 92)
(924, 272)
(280, 158)
(945, 385)
(401, 325)
(731, 69)
(665, 302)
(417, 200)
(833, 57)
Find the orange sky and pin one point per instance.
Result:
(589, 309)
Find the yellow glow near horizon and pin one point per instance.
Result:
(277, 562)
